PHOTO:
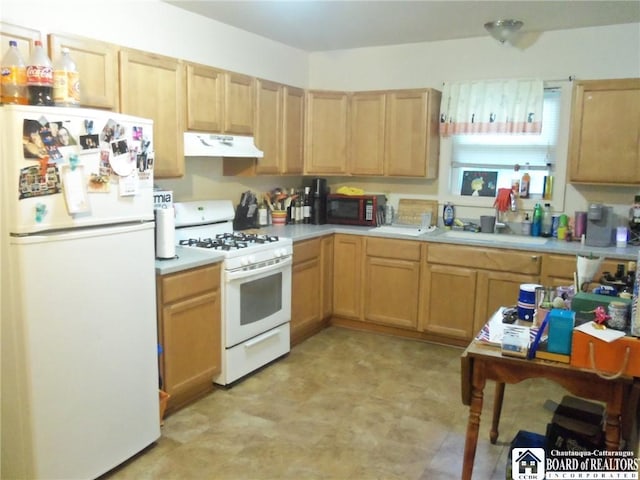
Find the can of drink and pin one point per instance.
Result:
(555, 220)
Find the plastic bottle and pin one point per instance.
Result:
(547, 221)
(66, 81)
(306, 206)
(536, 224)
(448, 214)
(39, 77)
(14, 76)
(525, 181)
(526, 225)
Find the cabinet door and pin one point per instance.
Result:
(497, 289)
(450, 293)
(347, 276)
(152, 86)
(205, 89)
(97, 64)
(293, 130)
(191, 344)
(326, 258)
(367, 123)
(605, 131)
(267, 126)
(406, 133)
(326, 133)
(24, 37)
(239, 103)
(392, 292)
(306, 308)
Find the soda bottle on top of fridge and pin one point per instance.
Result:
(39, 77)
(66, 81)
(14, 76)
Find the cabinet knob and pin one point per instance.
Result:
(534, 257)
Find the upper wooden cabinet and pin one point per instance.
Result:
(24, 37)
(268, 126)
(395, 133)
(218, 101)
(293, 115)
(152, 86)
(367, 125)
(239, 103)
(412, 142)
(204, 98)
(98, 67)
(326, 132)
(604, 145)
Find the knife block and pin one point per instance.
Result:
(246, 217)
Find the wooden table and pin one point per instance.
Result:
(482, 362)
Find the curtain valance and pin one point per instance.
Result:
(492, 107)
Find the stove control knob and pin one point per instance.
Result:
(277, 253)
(244, 261)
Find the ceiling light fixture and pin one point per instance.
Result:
(502, 30)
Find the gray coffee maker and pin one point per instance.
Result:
(600, 231)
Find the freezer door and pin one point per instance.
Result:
(80, 366)
(99, 169)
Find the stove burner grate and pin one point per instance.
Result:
(229, 241)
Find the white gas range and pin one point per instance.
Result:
(256, 285)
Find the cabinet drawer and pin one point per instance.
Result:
(389, 248)
(488, 259)
(190, 282)
(303, 251)
(563, 266)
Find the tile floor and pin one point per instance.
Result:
(342, 405)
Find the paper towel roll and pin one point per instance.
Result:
(165, 233)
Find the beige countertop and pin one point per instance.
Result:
(190, 258)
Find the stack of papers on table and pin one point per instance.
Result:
(493, 331)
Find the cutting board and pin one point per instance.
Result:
(410, 211)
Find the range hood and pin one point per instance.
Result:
(218, 145)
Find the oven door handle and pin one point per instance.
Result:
(261, 338)
(241, 274)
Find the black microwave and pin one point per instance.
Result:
(365, 210)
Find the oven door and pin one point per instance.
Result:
(256, 300)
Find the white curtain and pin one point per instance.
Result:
(492, 107)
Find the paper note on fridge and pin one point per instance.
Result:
(606, 335)
(74, 186)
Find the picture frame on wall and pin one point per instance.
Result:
(478, 183)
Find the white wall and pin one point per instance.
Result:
(155, 26)
(586, 53)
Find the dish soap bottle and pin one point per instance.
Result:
(546, 220)
(448, 214)
(536, 224)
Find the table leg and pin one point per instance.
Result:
(497, 410)
(614, 410)
(473, 425)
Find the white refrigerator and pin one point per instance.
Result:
(79, 366)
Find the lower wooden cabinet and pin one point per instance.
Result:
(306, 290)
(189, 332)
(347, 276)
(450, 300)
(557, 270)
(465, 285)
(392, 282)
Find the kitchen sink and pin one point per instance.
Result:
(494, 237)
(411, 231)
